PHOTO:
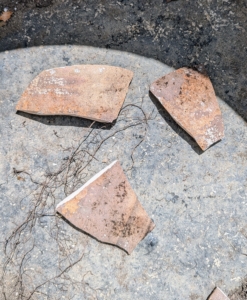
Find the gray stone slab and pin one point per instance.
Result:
(197, 200)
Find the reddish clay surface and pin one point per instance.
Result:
(189, 98)
(94, 92)
(218, 295)
(107, 208)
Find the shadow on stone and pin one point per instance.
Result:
(66, 121)
(182, 133)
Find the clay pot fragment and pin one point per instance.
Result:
(5, 16)
(107, 208)
(218, 295)
(94, 92)
(189, 98)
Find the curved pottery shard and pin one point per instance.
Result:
(189, 98)
(218, 295)
(107, 208)
(94, 92)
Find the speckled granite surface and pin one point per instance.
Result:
(197, 200)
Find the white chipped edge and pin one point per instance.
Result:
(217, 288)
(96, 176)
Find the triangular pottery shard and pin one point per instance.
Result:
(94, 92)
(107, 208)
(218, 295)
(189, 98)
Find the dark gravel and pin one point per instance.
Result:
(241, 292)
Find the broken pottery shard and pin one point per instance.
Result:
(218, 295)
(107, 208)
(189, 98)
(94, 92)
(5, 16)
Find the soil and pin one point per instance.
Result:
(205, 33)
(240, 293)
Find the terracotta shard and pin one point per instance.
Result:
(94, 92)
(5, 16)
(107, 208)
(189, 98)
(218, 295)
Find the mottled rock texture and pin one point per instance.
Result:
(94, 92)
(107, 208)
(190, 99)
(198, 202)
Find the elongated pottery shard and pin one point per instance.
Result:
(218, 295)
(94, 92)
(107, 208)
(189, 98)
